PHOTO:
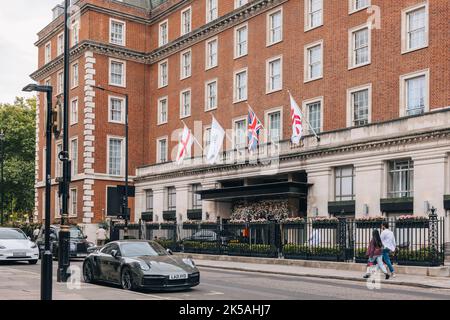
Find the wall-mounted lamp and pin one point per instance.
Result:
(426, 207)
(315, 211)
(366, 209)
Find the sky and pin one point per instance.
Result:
(20, 21)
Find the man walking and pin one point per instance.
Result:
(389, 245)
(101, 236)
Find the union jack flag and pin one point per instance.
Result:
(254, 127)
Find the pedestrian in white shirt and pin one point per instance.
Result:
(389, 245)
(101, 236)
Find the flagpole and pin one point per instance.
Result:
(193, 137)
(262, 125)
(306, 120)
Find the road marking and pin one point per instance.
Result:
(214, 293)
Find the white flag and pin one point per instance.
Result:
(185, 145)
(297, 125)
(217, 136)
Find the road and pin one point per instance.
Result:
(21, 281)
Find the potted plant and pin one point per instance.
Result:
(412, 222)
(369, 222)
(298, 221)
(325, 223)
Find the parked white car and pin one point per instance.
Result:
(16, 246)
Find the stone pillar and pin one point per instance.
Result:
(139, 205)
(158, 204)
(182, 202)
(320, 192)
(209, 207)
(368, 184)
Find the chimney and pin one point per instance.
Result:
(58, 10)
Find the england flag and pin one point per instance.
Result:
(297, 125)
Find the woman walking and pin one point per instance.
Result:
(375, 253)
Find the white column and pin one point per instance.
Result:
(321, 191)
(182, 202)
(158, 204)
(139, 204)
(368, 186)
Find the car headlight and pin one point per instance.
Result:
(2, 247)
(90, 244)
(144, 266)
(189, 262)
(33, 246)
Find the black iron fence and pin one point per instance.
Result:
(419, 242)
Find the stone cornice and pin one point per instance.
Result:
(303, 155)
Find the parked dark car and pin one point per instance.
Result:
(213, 236)
(78, 242)
(140, 264)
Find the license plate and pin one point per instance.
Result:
(178, 276)
(19, 254)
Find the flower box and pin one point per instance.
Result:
(324, 225)
(190, 226)
(208, 226)
(168, 226)
(152, 226)
(369, 224)
(412, 222)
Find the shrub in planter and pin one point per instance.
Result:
(190, 225)
(200, 246)
(208, 225)
(325, 223)
(152, 226)
(412, 222)
(293, 222)
(295, 251)
(423, 256)
(369, 223)
(167, 225)
(246, 248)
(168, 244)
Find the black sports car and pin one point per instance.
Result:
(136, 264)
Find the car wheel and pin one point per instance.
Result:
(126, 279)
(88, 273)
(32, 261)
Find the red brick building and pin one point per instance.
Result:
(365, 73)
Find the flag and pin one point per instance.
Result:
(254, 127)
(217, 135)
(297, 125)
(184, 145)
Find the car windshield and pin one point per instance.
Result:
(76, 233)
(138, 249)
(11, 234)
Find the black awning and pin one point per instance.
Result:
(268, 190)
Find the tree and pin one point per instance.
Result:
(18, 123)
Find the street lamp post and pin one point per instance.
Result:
(46, 258)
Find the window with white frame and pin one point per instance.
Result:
(275, 27)
(212, 10)
(60, 41)
(74, 111)
(74, 156)
(314, 61)
(357, 5)
(196, 199)
(185, 103)
(117, 32)
(274, 127)
(48, 52)
(115, 156)
(116, 110)
(239, 3)
(211, 95)
(240, 41)
(186, 64)
(117, 73)
(75, 77)
(186, 20)
(60, 82)
(73, 202)
(313, 14)
(274, 74)
(240, 134)
(360, 107)
(415, 28)
(162, 150)
(360, 43)
(58, 164)
(344, 183)
(162, 111)
(240, 86)
(149, 200)
(314, 112)
(212, 53)
(163, 72)
(415, 93)
(75, 32)
(163, 33)
(171, 204)
(401, 178)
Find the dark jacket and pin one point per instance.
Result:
(373, 250)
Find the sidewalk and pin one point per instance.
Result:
(346, 271)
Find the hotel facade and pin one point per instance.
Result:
(371, 77)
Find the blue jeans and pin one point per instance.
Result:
(378, 260)
(387, 259)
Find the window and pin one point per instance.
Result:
(116, 110)
(60, 41)
(196, 199)
(163, 74)
(186, 64)
(171, 199)
(117, 73)
(239, 3)
(117, 32)
(75, 75)
(314, 61)
(48, 53)
(359, 110)
(211, 95)
(149, 200)
(401, 178)
(162, 150)
(212, 11)
(185, 103)
(274, 77)
(359, 39)
(211, 53)
(344, 190)
(357, 5)
(414, 95)
(73, 203)
(163, 33)
(115, 146)
(274, 127)
(75, 33)
(240, 134)
(313, 110)
(275, 27)
(240, 41)
(60, 82)
(58, 164)
(415, 28)
(207, 140)
(313, 14)
(240, 86)
(74, 156)
(162, 111)
(74, 111)
(186, 17)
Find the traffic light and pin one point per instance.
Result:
(57, 118)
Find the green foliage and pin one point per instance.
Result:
(18, 123)
(168, 244)
(245, 247)
(302, 250)
(200, 245)
(423, 254)
(28, 228)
